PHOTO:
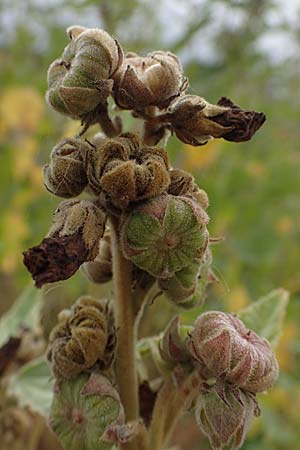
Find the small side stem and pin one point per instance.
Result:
(126, 373)
(170, 404)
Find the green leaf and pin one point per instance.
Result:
(265, 316)
(33, 386)
(24, 311)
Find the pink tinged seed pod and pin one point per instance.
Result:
(228, 350)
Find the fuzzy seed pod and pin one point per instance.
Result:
(65, 176)
(81, 80)
(153, 80)
(77, 227)
(222, 344)
(83, 217)
(81, 339)
(195, 121)
(100, 270)
(225, 417)
(165, 234)
(187, 287)
(82, 409)
(183, 183)
(126, 170)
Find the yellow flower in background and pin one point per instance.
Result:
(200, 157)
(255, 168)
(285, 354)
(21, 109)
(14, 230)
(24, 153)
(284, 225)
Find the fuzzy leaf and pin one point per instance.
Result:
(24, 312)
(265, 316)
(33, 386)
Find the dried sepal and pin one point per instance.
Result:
(195, 121)
(165, 234)
(183, 183)
(224, 415)
(153, 80)
(82, 409)
(100, 270)
(225, 348)
(82, 338)
(81, 80)
(74, 236)
(65, 175)
(125, 170)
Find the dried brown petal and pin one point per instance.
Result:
(74, 236)
(245, 123)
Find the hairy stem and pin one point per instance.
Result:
(126, 373)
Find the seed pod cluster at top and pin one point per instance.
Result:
(153, 80)
(80, 80)
(226, 349)
(83, 337)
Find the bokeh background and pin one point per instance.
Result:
(247, 50)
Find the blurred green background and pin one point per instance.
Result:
(247, 50)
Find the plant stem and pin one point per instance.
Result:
(126, 373)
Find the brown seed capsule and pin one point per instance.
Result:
(81, 339)
(78, 226)
(65, 176)
(81, 80)
(153, 80)
(228, 350)
(126, 170)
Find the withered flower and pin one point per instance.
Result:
(81, 80)
(126, 170)
(195, 121)
(83, 337)
(65, 176)
(153, 80)
(165, 234)
(223, 346)
(74, 236)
